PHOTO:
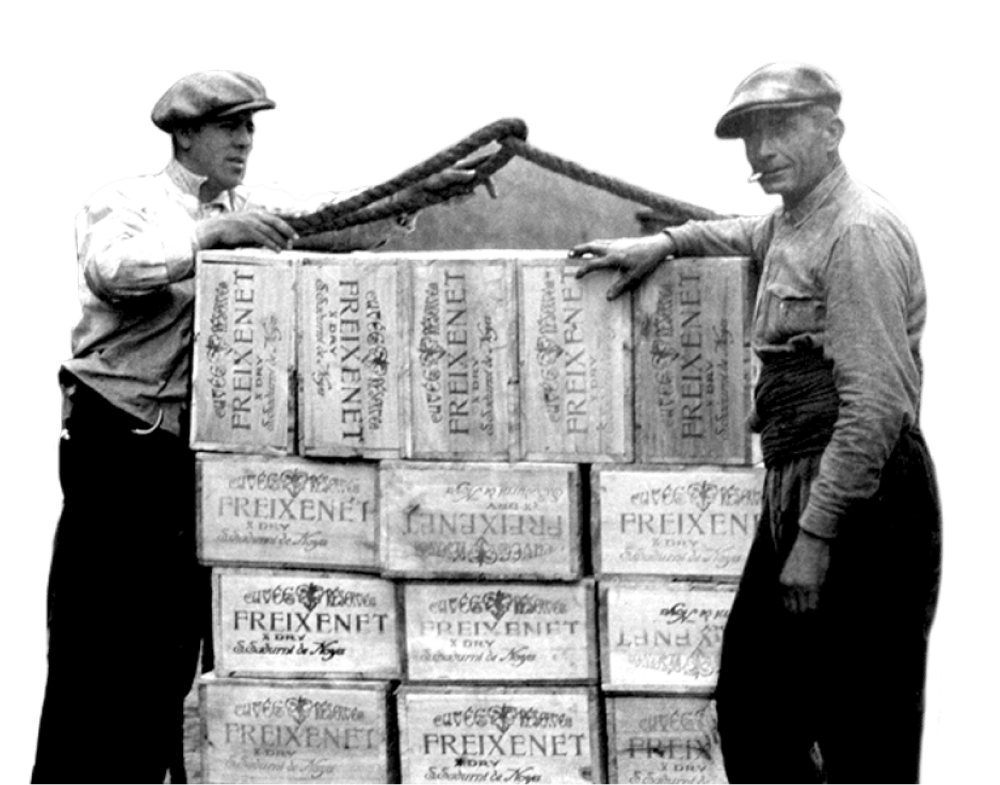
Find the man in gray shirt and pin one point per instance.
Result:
(824, 656)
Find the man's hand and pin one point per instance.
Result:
(805, 572)
(436, 183)
(251, 228)
(633, 257)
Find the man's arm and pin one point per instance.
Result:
(637, 257)
(877, 378)
(130, 246)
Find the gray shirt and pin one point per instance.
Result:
(841, 274)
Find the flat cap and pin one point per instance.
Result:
(209, 95)
(777, 85)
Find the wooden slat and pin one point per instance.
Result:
(692, 362)
(244, 349)
(484, 520)
(661, 636)
(510, 632)
(576, 364)
(674, 521)
(352, 379)
(463, 357)
(663, 739)
(287, 512)
(492, 734)
(262, 730)
(305, 624)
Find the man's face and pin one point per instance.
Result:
(219, 151)
(791, 149)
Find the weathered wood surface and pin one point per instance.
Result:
(295, 731)
(674, 521)
(288, 623)
(485, 520)
(244, 350)
(575, 364)
(463, 356)
(492, 734)
(352, 356)
(510, 632)
(661, 739)
(692, 361)
(661, 636)
(287, 512)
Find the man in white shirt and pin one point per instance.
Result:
(128, 605)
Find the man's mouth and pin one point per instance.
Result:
(764, 174)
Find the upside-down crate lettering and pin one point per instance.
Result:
(244, 352)
(676, 521)
(500, 734)
(293, 623)
(287, 512)
(663, 738)
(510, 632)
(575, 364)
(493, 521)
(296, 731)
(463, 357)
(692, 362)
(661, 636)
(352, 380)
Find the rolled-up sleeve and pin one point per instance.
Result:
(875, 372)
(126, 249)
(741, 236)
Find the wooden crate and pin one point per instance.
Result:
(661, 636)
(692, 362)
(297, 731)
(575, 364)
(288, 623)
(352, 356)
(511, 632)
(463, 356)
(482, 520)
(244, 352)
(287, 512)
(495, 734)
(675, 521)
(663, 739)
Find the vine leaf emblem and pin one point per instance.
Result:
(498, 603)
(298, 708)
(294, 481)
(703, 493)
(309, 594)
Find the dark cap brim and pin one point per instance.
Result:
(732, 124)
(259, 105)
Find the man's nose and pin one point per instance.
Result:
(759, 147)
(243, 136)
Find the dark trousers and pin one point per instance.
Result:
(127, 602)
(837, 695)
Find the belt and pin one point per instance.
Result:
(796, 404)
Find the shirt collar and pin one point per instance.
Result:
(817, 196)
(190, 183)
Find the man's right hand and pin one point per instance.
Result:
(633, 257)
(251, 228)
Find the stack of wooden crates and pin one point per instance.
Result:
(468, 520)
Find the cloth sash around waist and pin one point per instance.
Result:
(796, 405)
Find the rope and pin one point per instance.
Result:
(335, 216)
(612, 185)
(510, 134)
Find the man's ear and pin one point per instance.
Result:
(183, 138)
(834, 133)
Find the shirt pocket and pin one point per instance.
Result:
(792, 312)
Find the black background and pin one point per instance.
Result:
(343, 123)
